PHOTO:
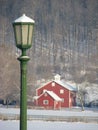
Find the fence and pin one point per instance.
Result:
(51, 118)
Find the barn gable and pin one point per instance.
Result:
(61, 83)
(51, 93)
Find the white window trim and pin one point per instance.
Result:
(61, 91)
(45, 102)
(53, 84)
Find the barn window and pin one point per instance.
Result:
(45, 102)
(61, 91)
(53, 84)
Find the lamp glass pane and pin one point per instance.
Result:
(18, 34)
(30, 34)
(24, 34)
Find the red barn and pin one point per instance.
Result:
(59, 94)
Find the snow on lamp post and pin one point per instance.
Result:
(23, 31)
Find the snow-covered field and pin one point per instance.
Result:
(47, 125)
(41, 125)
(74, 112)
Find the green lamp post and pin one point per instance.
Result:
(23, 31)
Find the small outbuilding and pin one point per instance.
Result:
(49, 100)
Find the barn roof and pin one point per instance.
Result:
(51, 93)
(54, 96)
(66, 85)
(63, 84)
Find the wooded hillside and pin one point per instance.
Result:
(65, 39)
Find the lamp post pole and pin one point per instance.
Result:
(23, 30)
(23, 90)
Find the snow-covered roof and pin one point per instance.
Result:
(24, 19)
(35, 97)
(54, 96)
(66, 85)
(62, 83)
(51, 93)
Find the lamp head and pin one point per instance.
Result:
(23, 31)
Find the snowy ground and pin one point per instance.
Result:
(74, 112)
(47, 125)
(40, 125)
